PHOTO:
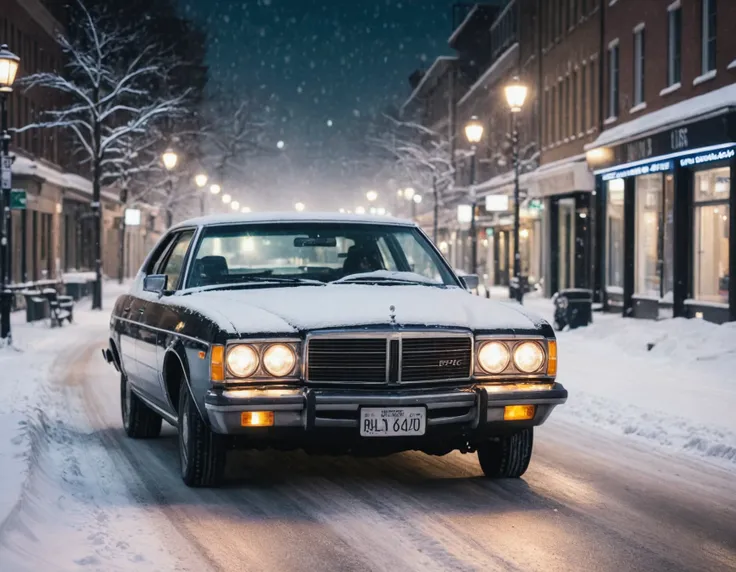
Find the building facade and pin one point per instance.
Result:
(54, 234)
(664, 163)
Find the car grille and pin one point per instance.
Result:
(435, 359)
(359, 360)
(391, 359)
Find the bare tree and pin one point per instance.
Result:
(419, 155)
(112, 85)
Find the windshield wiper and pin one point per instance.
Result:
(257, 281)
(361, 279)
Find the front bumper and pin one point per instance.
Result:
(473, 410)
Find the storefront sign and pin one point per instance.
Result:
(464, 213)
(657, 167)
(18, 199)
(132, 217)
(708, 157)
(704, 133)
(497, 203)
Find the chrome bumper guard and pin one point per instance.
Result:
(309, 408)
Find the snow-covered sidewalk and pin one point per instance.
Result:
(679, 396)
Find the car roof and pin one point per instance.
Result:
(286, 217)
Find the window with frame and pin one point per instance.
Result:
(649, 191)
(613, 81)
(639, 65)
(711, 239)
(173, 262)
(615, 235)
(709, 35)
(674, 39)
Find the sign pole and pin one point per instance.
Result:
(5, 225)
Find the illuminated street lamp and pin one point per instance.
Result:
(245, 210)
(299, 207)
(409, 193)
(9, 64)
(371, 196)
(474, 134)
(515, 97)
(360, 210)
(200, 180)
(415, 200)
(226, 199)
(215, 189)
(170, 159)
(235, 205)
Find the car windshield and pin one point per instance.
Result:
(320, 253)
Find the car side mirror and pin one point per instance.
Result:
(155, 283)
(470, 281)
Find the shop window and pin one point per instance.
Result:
(673, 43)
(711, 250)
(648, 211)
(615, 235)
(668, 242)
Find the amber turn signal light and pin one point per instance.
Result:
(519, 412)
(217, 363)
(256, 419)
(552, 358)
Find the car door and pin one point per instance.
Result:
(126, 329)
(172, 264)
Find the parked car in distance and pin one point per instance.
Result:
(331, 333)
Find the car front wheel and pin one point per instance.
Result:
(201, 451)
(507, 456)
(139, 420)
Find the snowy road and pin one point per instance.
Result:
(590, 501)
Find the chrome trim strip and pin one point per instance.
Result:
(273, 406)
(144, 325)
(162, 412)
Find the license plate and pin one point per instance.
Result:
(392, 421)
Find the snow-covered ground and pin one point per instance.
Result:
(66, 486)
(678, 396)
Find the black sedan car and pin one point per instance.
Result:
(335, 334)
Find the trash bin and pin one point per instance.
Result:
(573, 308)
(36, 306)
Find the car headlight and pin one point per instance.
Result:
(494, 357)
(528, 357)
(242, 360)
(279, 360)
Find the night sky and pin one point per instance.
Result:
(322, 67)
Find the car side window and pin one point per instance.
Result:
(173, 266)
(159, 255)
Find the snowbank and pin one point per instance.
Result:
(679, 395)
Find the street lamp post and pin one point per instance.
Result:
(9, 63)
(515, 96)
(170, 159)
(201, 180)
(473, 133)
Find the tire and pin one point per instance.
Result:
(507, 457)
(202, 452)
(139, 421)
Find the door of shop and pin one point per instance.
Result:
(501, 257)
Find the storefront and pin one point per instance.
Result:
(665, 232)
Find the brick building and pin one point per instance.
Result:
(55, 233)
(665, 160)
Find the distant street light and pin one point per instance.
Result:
(359, 210)
(371, 196)
(473, 133)
(170, 159)
(381, 211)
(245, 210)
(9, 64)
(341, 211)
(409, 193)
(417, 199)
(235, 205)
(280, 145)
(515, 97)
(299, 207)
(215, 189)
(200, 180)
(226, 198)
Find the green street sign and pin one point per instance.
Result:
(18, 200)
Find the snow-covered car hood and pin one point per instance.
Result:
(297, 309)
